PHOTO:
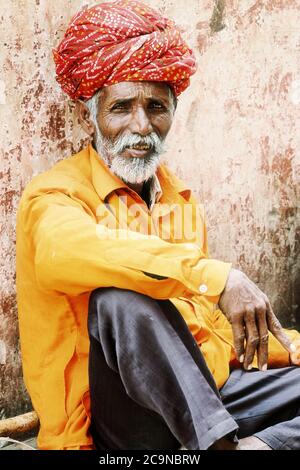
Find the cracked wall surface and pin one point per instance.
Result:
(235, 140)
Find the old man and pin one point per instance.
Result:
(131, 336)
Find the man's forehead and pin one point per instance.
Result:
(132, 90)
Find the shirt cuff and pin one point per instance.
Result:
(209, 277)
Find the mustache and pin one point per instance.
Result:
(153, 141)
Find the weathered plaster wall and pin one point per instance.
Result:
(236, 139)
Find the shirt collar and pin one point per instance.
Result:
(104, 181)
(161, 185)
(155, 191)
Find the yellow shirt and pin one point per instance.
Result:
(79, 229)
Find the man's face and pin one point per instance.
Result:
(134, 119)
(135, 108)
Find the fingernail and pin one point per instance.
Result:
(264, 367)
(241, 358)
(249, 367)
(293, 347)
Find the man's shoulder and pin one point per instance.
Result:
(66, 174)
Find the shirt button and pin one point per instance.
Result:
(203, 288)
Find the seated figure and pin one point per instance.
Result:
(131, 336)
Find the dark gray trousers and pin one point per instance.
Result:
(151, 389)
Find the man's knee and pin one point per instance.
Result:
(112, 306)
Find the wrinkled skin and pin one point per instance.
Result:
(128, 108)
(251, 316)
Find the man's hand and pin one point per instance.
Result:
(251, 316)
(295, 356)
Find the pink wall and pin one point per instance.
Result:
(236, 139)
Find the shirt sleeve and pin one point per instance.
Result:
(73, 254)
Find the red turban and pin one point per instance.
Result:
(118, 41)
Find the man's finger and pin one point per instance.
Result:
(239, 338)
(295, 357)
(277, 330)
(252, 340)
(262, 350)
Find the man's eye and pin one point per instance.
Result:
(155, 106)
(119, 107)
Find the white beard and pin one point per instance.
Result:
(135, 170)
(130, 170)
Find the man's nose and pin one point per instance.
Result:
(140, 122)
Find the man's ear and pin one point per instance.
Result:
(83, 114)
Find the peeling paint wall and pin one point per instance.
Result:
(236, 139)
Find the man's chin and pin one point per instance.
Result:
(132, 177)
(129, 180)
(134, 170)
